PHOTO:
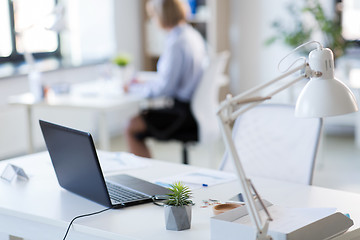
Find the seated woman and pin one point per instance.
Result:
(179, 70)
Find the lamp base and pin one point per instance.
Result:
(288, 223)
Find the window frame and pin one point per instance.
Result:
(15, 56)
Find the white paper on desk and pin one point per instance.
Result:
(96, 88)
(287, 220)
(146, 76)
(196, 179)
(118, 161)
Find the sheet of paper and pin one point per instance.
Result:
(286, 220)
(145, 76)
(118, 161)
(96, 88)
(198, 179)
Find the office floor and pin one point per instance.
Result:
(337, 165)
(202, 156)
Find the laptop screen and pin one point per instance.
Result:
(75, 162)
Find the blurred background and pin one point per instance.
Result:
(75, 41)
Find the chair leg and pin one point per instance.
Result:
(185, 154)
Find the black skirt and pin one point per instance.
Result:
(170, 122)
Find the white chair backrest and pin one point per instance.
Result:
(205, 100)
(272, 143)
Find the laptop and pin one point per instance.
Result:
(78, 170)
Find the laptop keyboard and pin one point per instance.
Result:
(121, 194)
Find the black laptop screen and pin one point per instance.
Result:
(75, 162)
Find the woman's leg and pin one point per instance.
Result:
(136, 146)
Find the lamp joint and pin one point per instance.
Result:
(317, 74)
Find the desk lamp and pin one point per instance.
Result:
(322, 96)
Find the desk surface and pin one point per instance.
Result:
(77, 101)
(95, 94)
(43, 209)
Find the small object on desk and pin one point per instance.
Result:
(199, 178)
(11, 171)
(221, 208)
(145, 76)
(209, 202)
(120, 161)
(239, 198)
(196, 184)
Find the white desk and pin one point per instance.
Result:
(40, 209)
(127, 103)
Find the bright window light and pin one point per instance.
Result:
(351, 19)
(354, 77)
(5, 32)
(31, 18)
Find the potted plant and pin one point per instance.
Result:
(178, 207)
(122, 71)
(303, 30)
(121, 60)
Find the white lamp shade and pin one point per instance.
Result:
(323, 95)
(324, 98)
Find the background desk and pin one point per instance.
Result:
(40, 209)
(128, 104)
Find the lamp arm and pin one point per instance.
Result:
(246, 188)
(227, 115)
(240, 111)
(242, 98)
(244, 181)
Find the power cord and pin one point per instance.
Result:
(85, 215)
(300, 58)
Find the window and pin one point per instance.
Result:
(25, 24)
(23, 28)
(348, 12)
(351, 19)
(5, 30)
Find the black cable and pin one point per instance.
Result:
(85, 215)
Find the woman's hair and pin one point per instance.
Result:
(169, 12)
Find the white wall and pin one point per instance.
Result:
(128, 21)
(252, 62)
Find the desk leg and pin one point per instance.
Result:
(30, 147)
(104, 136)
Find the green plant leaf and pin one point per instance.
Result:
(180, 195)
(121, 60)
(330, 28)
(270, 40)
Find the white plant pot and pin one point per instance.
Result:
(177, 218)
(123, 74)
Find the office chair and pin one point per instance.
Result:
(272, 143)
(204, 104)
